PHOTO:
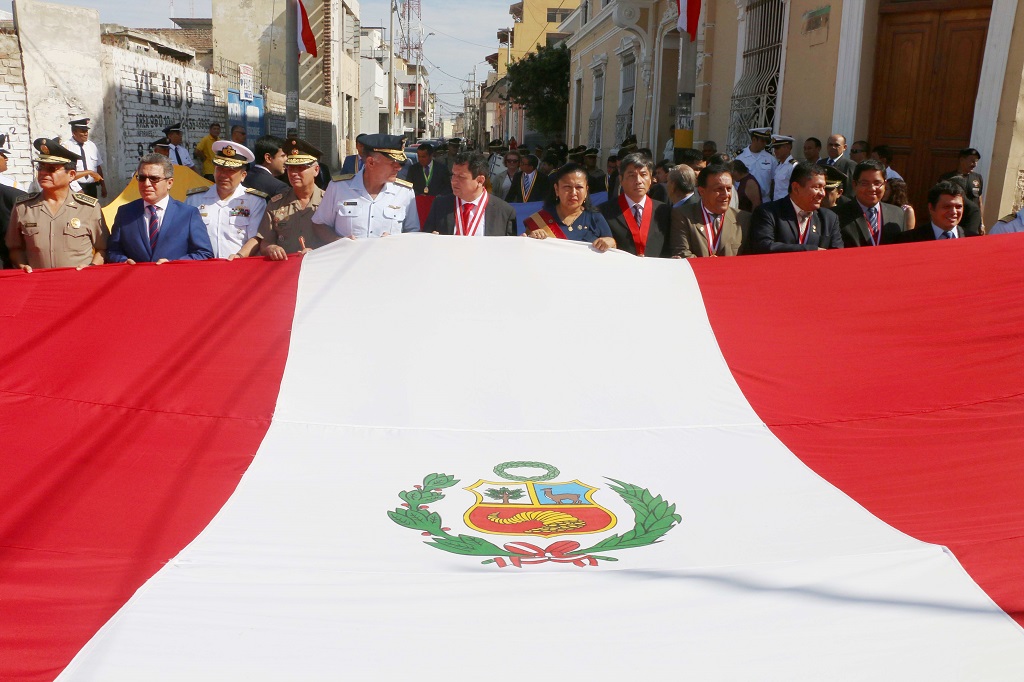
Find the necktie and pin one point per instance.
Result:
(177, 155)
(154, 227)
(947, 234)
(467, 216)
(831, 161)
(526, 186)
(85, 160)
(637, 214)
(873, 222)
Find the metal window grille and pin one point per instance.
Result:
(624, 116)
(755, 96)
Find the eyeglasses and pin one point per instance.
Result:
(511, 160)
(49, 167)
(858, 151)
(149, 178)
(872, 185)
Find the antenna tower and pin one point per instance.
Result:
(411, 19)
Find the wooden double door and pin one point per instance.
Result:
(927, 70)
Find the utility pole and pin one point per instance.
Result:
(291, 71)
(391, 71)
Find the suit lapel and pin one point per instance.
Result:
(862, 225)
(788, 215)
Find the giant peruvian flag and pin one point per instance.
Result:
(463, 459)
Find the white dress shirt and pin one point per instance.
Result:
(230, 222)
(161, 210)
(91, 157)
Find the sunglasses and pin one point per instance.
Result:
(149, 178)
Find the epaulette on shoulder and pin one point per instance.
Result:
(25, 197)
(83, 198)
(196, 190)
(403, 183)
(1004, 219)
(342, 177)
(794, 161)
(276, 197)
(261, 194)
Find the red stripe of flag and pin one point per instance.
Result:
(897, 376)
(307, 41)
(130, 416)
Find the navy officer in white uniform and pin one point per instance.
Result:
(373, 202)
(232, 213)
(760, 162)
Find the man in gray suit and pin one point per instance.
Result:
(837, 157)
(470, 211)
(709, 227)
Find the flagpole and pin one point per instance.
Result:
(291, 72)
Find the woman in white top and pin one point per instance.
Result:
(502, 182)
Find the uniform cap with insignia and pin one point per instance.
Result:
(389, 145)
(761, 133)
(300, 152)
(780, 140)
(82, 123)
(834, 177)
(4, 151)
(494, 144)
(51, 151)
(590, 152)
(231, 154)
(175, 128)
(455, 142)
(162, 143)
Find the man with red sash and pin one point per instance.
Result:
(797, 222)
(470, 211)
(709, 227)
(867, 221)
(639, 224)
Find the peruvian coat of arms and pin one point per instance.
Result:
(535, 506)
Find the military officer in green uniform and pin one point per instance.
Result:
(56, 228)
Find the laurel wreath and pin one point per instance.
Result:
(653, 518)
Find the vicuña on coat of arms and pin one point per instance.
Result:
(535, 506)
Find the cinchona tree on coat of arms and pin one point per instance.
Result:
(537, 506)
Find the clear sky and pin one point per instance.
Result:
(464, 32)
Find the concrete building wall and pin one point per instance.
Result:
(62, 67)
(1004, 187)
(14, 111)
(146, 94)
(316, 123)
(720, 75)
(808, 88)
(373, 95)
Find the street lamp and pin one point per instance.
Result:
(416, 116)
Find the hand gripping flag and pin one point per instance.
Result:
(307, 41)
(460, 457)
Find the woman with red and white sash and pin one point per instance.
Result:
(570, 216)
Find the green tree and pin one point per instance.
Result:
(540, 83)
(504, 494)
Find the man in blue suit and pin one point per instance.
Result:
(157, 228)
(354, 162)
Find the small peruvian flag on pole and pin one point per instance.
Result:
(307, 41)
(689, 15)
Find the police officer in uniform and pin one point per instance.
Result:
(5, 179)
(782, 148)
(178, 152)
(232, 213)
(835, 184)
(974, 187)
(759, 162)
(56, 228)
(287, 226)
(89, 168)
(597, 180)
(373, 203)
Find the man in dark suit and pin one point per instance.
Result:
(265, 173)
(709, 227)
(867, 221)
(639, 224)
(946, 210)
(8, 197)
(836, 150)
(469, 210)
(796, 222)
(428, 176)
(354, 162)
(528, 184)
(157, 228)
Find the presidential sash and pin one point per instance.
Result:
(544, 221)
